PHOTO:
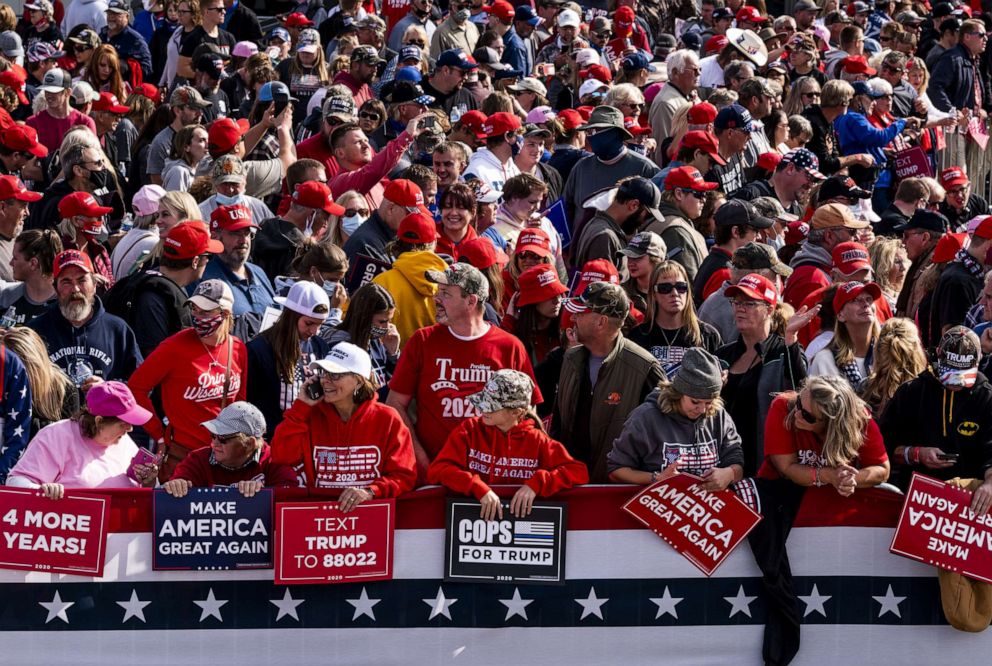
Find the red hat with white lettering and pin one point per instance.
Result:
(69, 258)
(538, 284)
(83, 204)
(500, 123)
(751, 15)
(754, 286)
(406, 193)
(231, 218)
(533, 239)
(11, 187)
(849, 258)
(314, 194)
(953, 177)
(849, 291)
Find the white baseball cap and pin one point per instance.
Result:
(586, 57)
(568, 17)
(345, 357)
(590, 86)
(307, 299)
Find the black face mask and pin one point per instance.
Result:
(99, 178)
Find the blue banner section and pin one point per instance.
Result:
(213, 528)
(556, 213)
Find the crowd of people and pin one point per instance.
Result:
(377, 247)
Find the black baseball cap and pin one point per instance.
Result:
(841, 186)
(737, 211)
(644, 191)
(925, 220)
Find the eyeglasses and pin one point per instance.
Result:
(814, 95)
(184, 11)
(219, 10)
(366, 115)
(602, 35)
(333, 376)
(805, 413)
(958, 191)
(227, 439)
(738, 304)
(980, 35)
(422, 45)
(349, 212)
(635, 105)
(669, 287)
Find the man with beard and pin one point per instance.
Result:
(127, 41)
(107, 114)
(603, 378)
(605, 235)
(235, 228)
(87, 343)
(610, 162)
(790, 183)
(442, 365)
(678, 208)
(362, 71)
(187, 107)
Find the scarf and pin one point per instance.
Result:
(969, 262)
(851, 371)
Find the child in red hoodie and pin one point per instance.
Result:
(505, 445)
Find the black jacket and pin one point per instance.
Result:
(952, 81)
(824, 142)
(276, 246)
(370, 239)
(959, 218)
(923, 413)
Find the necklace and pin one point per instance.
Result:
(213, 359)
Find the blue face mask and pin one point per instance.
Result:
(351, 223)
(224, 200)
(606, 144)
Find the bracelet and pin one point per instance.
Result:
(816, 477)
(654, 477)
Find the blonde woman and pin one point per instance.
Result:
(849, 354)
(671, 327)
(53, 395)
(890, 263)
(899, 358)
(340, 227)
(805, 92)
(824, 435)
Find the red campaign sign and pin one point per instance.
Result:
(912, 162)
(317, 543)
(58, 536)
(700, 525)
(938, 527)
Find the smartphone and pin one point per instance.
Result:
(429, 122)
(315, 391)
(546, 69)
(280, 102)
(951, 457)
(142, 457)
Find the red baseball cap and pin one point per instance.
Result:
(858, 65)
(533, 239)
(500, 123)
(189, 239)
(597, 270)
(474, 120)
(481, 253)
(754, 286)
(768, 161)
(231, 218)
(297, 20)
(689, 178)
(13, 80)
(715, 44)
(848, 291)
(81, 203)
(953, 177)
(68, 258)
(850, 257)
(538, 284)
(751, 14)
(796, 232)
(570, 119)
(314, 194)
(704, 141)
(623, 21)
(417, 228)
(598, 72)
(984, 228)
(634, 127)
(404, 193)
(23, 138)
(11, 187)
(149, 91)
(947, 247)
(224, 134)
(701, 114)
(500, 9)
(585, 112)
(109, 102)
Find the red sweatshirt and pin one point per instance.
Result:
(191, 379)
(196, 469)
(372, 449)
(477, 455)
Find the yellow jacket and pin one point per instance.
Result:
(413, 293)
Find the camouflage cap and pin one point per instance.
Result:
(188, 96)
(466, 276)
(757, 256)
(958, 356)
(238, 417)
(602, 298)
(506, 389)
(228, 169)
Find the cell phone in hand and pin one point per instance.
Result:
(315, 391)
(280, 102)
(142, 457)
(950, 457)
(429, 122)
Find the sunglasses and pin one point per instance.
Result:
(805, 413)
(228, 439)
(349, 212)
(365, 115)
(694, 193)
(669, 287)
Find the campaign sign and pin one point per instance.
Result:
(700, 525)
(212, 528)
(363, 269)
(317, 543)
(938, 527)
(59, 536)
(912, 162)
(512, 550)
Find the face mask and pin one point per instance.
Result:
(516, 145)
(378, 332)
(308, 229)
(224, 200)
(546, 155)
(351, 223)
(331, 288)
(99, 178)
(462, 15)
(777, 242)
(606, 144)
(207, 326)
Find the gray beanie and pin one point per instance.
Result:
(699, 376)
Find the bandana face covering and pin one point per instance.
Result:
(207, 326)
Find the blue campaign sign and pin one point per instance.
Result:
(212, 528)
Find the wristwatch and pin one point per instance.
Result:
(654, 477)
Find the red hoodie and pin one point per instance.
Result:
(196, 469)
(372, 449)
(477, 455)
